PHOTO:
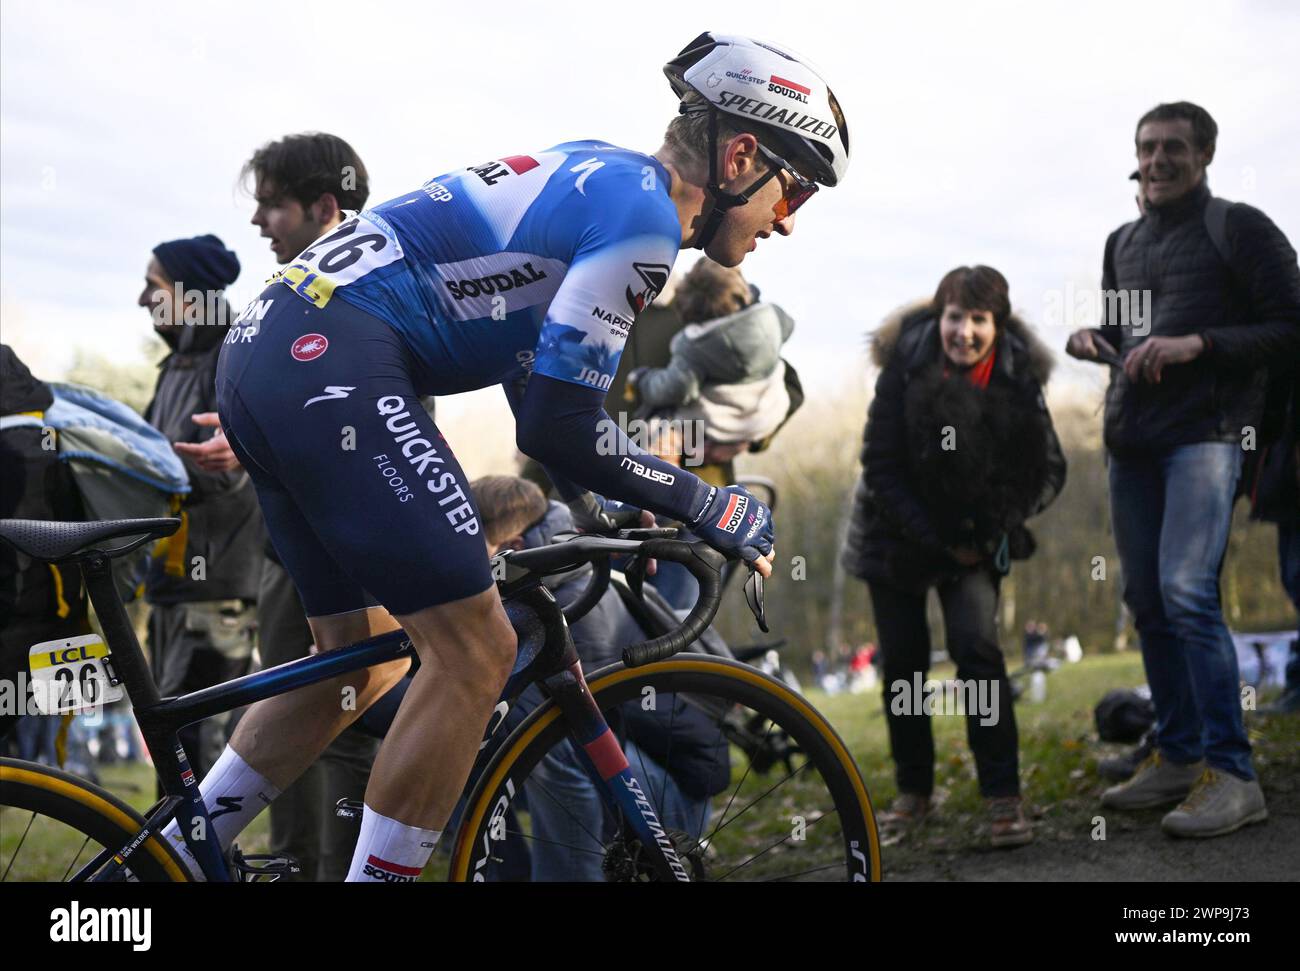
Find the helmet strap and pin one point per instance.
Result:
(722, 200)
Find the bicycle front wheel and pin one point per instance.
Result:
(53, 823)
(748, 779)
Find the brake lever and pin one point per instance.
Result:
(634, 572)
(754, 598)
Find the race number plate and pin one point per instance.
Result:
(360, 245)
(73, 674)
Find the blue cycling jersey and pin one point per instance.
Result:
(528, 263)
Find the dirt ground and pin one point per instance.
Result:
(1134, 848)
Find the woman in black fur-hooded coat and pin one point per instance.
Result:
(959, 451)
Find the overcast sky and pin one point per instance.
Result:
(991, 133)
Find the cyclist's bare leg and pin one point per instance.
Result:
(280, 737)
(467, 649)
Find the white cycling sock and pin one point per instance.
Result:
(233, 792)
(390, 852)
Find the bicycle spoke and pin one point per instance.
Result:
(803, 873)
(567, 811)
(783, 839)
(75, 859)
(740, 785)
(723, 822)
(668, 758)
(19, 848)
(546, 842)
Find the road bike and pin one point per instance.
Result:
(802, 813)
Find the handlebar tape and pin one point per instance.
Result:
(703, 563)
(591, 595)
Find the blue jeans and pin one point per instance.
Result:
(568, 814)
(1171, 513)
(1288, 561)
(36, 736)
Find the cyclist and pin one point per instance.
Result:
(525, 265)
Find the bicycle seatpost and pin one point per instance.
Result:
(128, 660)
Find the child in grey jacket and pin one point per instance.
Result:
(726, 366)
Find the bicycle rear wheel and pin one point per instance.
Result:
(785, 801)
(53, 823)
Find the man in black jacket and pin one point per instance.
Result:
(202, 581)
(1185, 401)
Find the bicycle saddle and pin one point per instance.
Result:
(53, 541)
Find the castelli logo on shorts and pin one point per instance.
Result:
(734, 514)
(308, 347)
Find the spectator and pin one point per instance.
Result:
(723, 375)
(726, 371)
(959, 451)
(202, 581)
(1186, 393)
(1272, 481)
(1035, 641)
(862, 669)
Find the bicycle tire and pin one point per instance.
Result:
(702, 674)
(90, 811)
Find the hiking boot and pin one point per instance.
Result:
(1007, 823)
(1119, 768)
(904, 815)
(1156, 783)
(1219, 804)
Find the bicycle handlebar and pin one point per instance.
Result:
(705, 564)
(702, 561)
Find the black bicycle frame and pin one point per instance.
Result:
(546, 653)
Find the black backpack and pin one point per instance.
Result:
(1124, 715)
(38, 601)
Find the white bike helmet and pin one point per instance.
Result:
(770, 88)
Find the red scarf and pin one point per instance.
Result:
(980, 374)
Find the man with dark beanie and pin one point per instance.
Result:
(1184, 405)
(202, 581)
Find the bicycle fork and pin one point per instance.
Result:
(547, 654)
(620, 789)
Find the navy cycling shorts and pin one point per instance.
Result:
(363, 499)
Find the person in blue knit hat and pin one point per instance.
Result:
(202, 582)
(187, 280)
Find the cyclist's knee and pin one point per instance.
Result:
(495, 650)
(472, 644)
